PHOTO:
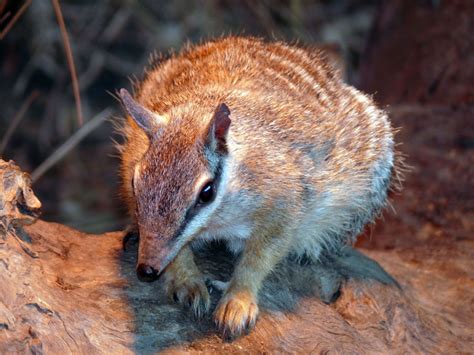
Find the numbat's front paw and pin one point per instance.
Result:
(190, 293)
(236, 314)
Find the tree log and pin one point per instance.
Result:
(68, 292)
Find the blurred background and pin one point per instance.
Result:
(111, 42)
(415, 56)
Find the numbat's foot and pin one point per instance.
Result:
(191, 293)
(236, 314)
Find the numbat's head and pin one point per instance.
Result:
(177, 179)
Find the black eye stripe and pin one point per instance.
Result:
(209, 189)
(193, 210)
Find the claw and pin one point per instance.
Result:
(236, 314)
(192, 294)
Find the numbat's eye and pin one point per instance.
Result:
(207, 193)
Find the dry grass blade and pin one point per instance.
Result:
(70, 60)
(15, 19)
(4, 17)
(72, 142)
(16, 120)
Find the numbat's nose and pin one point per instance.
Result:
(146, 273)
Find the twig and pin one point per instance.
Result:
(70, 60)
(116, 25)
(16, 120)
(4, 17)
(67, 146)
(15, 19)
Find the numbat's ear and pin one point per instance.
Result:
(218, 128)
(149, 121)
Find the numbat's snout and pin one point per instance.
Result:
(260, 144)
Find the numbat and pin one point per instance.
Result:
(260, 144)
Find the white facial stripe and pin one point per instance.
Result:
(160, 120)
(136, 173)
(200, 220)
(200, 183)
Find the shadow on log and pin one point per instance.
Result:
(64, 291)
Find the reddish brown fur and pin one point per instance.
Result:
(299, 138)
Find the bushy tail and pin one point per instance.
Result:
(353, 264)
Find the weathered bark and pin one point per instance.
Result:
(80, 295)
(63, 291)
